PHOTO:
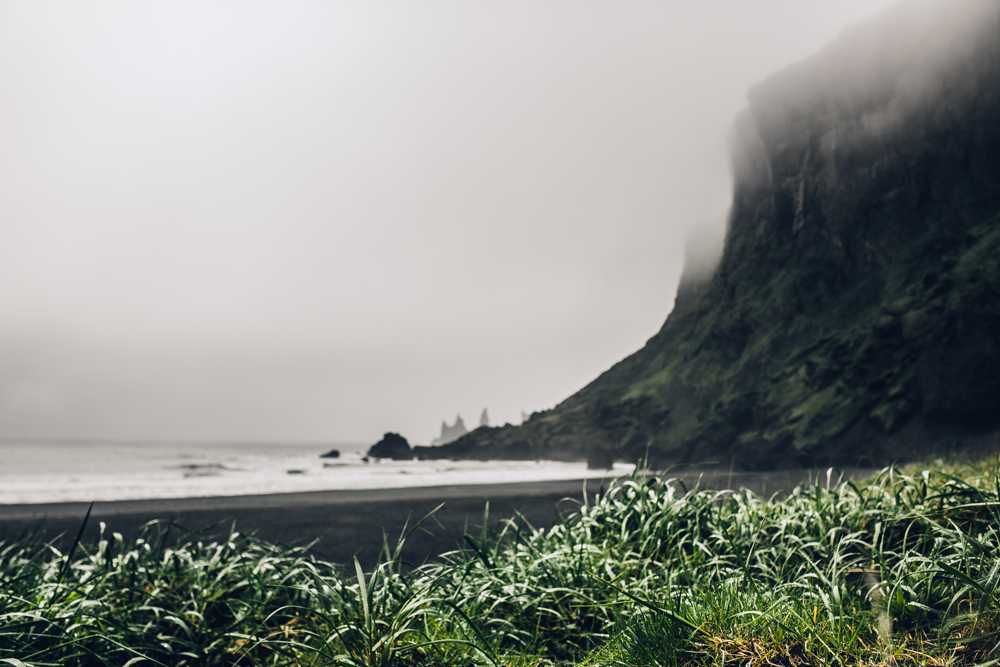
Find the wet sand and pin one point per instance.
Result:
(344, 524)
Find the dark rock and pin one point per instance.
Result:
(332, 454)
(391, 446)
(600, 458)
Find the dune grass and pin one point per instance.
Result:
(903, 569)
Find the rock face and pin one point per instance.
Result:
(854, 316)
(391, 446)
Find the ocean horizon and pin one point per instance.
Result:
(53, 471)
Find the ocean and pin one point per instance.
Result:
(67, 471)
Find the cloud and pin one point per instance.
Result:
(232, 219)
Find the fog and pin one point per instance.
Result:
(321, 221)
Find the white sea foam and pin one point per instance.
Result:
(45, 472)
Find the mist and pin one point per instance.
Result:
(325, 221)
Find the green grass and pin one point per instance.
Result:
(903, 569)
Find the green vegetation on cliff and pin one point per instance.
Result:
(855, 314)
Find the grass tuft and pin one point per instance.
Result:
(903, 569)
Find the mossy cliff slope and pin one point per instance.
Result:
(855, 314)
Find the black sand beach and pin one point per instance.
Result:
(348, 523)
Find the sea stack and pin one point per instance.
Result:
(391, 446)
(451, 433)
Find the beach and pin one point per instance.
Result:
(67, 471)
(343, 524)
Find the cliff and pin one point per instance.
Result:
(854, 316)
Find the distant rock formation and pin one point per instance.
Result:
(391, 446)
(332, 454)
(450, 433)
(484, 419)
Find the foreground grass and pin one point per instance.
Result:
(901, 570)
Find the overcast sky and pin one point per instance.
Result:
(321, 221)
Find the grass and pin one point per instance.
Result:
(904, 569)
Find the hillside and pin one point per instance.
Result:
(854, 316)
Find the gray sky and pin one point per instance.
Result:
(327, 220)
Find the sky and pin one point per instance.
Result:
(323, 221)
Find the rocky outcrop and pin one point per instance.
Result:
(854, 316)
(391, 446)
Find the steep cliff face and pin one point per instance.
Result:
(855, 313)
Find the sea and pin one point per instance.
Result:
(75, 471)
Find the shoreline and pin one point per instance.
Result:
(112, 473)
(348, 523)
